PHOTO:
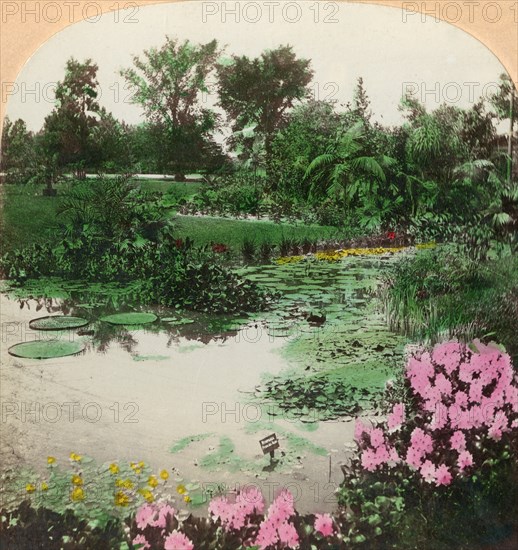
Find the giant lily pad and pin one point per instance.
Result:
(130, 318)
(45, 349)
(57, 322)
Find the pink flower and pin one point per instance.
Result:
(377, 437)
(163, 513)
(252, 500)
(144, 516)
(141, 539)
(396, 417)
(421, 441)
(288, 535)
(448, 356)
(369, 460)
(177, 541)
(282, 506)
(443, 384)
(414, 457)
(499, 426)
(465, 460)
(442, 475)
(234, 515)
(267, 535)
(428, 471)
(458, 441)
(461, 399)
(324, 524)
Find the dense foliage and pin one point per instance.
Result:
(115, 232)
(445, 292)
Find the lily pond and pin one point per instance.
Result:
(197, 392)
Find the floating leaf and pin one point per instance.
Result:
(57, 322)
(130, 318)
(45, 349)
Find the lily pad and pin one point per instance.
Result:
(130, 318)
(45, 349)
(57, 322)
(178, 322)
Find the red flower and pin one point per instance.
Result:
(219, 248)
(391, 235)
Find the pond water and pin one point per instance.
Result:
(197, 392)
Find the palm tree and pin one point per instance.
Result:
(503, 215)
(345, 170)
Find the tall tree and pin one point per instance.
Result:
(17, 153)
(505, 102)
(168, 84)
(260, 92)
(68, 129)
(361, 102)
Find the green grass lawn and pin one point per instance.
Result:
(29, 217)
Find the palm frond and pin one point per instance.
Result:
(370, 166)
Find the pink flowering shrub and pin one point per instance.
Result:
(448, 448)
(236, 522)
(464, 408)
(155, 526)
(237, 515)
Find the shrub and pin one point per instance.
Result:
(28, 527)
(447, 453)
(235, 523)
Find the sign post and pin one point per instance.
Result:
(269, 444)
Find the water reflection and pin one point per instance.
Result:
(311, 295)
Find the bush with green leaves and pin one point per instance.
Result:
(234, 194)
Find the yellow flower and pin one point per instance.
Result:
(137, 466)
(30, 487)
(138, 471)
(152, 481)
(51, 460)
(44, 486)
(121, 499)
(180, 489)
(77, 494)
(127, 483)
(114, 469)
(187, 498)
(147, 494)
(75, 457)
(164, 474)
(77, 480)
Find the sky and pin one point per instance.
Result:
(392, 52)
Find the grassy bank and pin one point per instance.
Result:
(29, 217)
(441, 293)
